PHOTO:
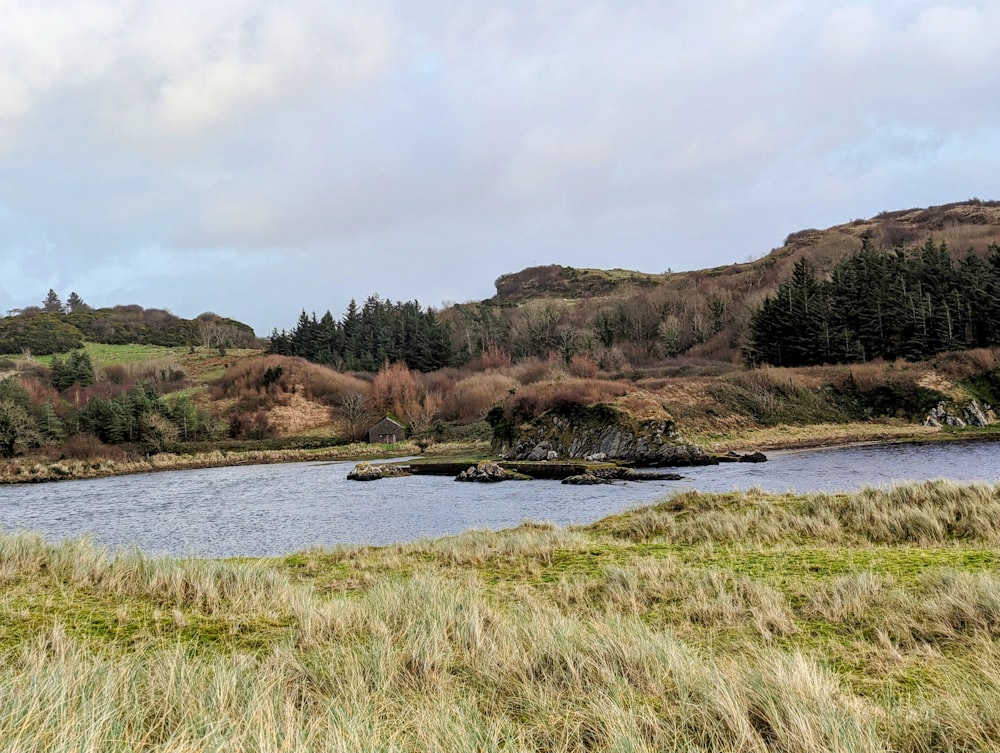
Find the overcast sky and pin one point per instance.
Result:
(257, 157)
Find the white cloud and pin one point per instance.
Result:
(417, 136)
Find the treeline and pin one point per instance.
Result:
(366, 337)
(907, 304)
(55, 327)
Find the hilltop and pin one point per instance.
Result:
(55, 327)
(628, 317)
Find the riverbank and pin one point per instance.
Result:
(818, 436)
(740, 621)
(38, 469)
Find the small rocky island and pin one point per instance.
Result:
(577, 444)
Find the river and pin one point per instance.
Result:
(270, 510)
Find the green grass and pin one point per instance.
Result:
(745, 622)
(102, 354)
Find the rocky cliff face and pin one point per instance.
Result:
(604, 430)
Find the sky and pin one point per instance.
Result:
(255, 158)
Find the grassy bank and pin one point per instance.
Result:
(743, 622)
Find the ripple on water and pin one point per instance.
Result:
(270, 510)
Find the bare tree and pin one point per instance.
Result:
(353, 407)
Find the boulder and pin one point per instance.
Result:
(974, 415)
(369, 472)
(485, 472)
(366, 472)
(735, 457)
(538, 453)
(585, 479)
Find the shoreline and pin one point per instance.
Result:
(34, 470)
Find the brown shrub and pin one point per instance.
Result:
(583, 366)
(878, 373)
(394, 390)
(426, 411)
(494, 359)
(442, 381)
(896, 234)
(39, 390)
(961, 364)
(115, 373)
(471, 398)
(533, 400)
(250, 426)
(330, 387)
(273, 375)
(85, 447)
(533, 369)
(769, 380)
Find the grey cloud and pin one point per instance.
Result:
(207, 150)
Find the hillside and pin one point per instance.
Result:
(620, 317)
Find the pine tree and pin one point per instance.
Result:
(52, 302)
(75, 304)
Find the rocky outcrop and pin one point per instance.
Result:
(971, 414)
(485, 472)
(975, 415)
(603, 430)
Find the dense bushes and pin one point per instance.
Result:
(56, 330)
(40, 334)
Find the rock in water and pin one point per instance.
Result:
(585, 479)
(485, 472)
(366, 472)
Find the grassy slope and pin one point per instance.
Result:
(743, 622)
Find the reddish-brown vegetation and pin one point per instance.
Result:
(472, 397)
(532, 400)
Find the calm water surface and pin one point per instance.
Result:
(276, 509)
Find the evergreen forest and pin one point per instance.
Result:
(368, 336)
(908, 304)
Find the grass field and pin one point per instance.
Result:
(736, 622)
(202, 363)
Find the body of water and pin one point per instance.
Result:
(269, 510)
